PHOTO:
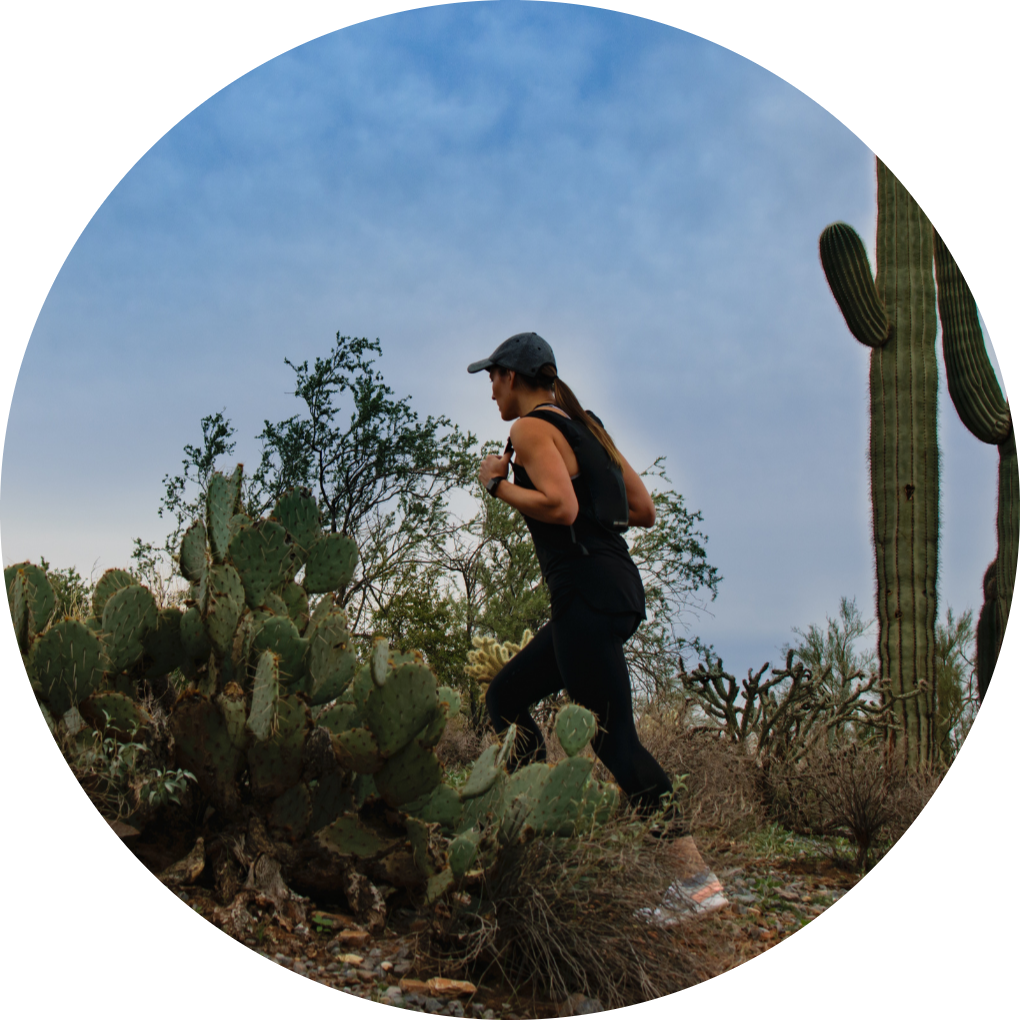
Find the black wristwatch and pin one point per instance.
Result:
(493, 484)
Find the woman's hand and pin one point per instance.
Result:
(494, 467)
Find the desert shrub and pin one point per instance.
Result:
(719, 788)
(855, 791)
(128, 778)
(563, 916)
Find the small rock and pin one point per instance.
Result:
(386, 966)
(299, 967)
(352, 958)
(366, 975)
(402, 968)
(578, 1004)
(411, 987)
(488, 1015)
(301, 929)
(282, 958)
(433, 1005)
(446, 986)
(392, 991)
(354, 937)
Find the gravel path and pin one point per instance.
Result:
(770, 899)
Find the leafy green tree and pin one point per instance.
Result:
(380, 473)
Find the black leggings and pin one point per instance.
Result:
(582, 651)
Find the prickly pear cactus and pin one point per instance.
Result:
(280, 726)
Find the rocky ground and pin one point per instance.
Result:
(775, 885)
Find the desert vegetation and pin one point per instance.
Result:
(279, 709)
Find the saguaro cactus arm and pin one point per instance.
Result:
(972, 383)
(848, 271)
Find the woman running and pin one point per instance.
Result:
(577, 494)
(596, 596)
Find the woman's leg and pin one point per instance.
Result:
(532, 674)
(589, 650)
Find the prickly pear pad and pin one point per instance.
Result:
(291, 811)
(163, 649)
(462, 852)
(348, 836)
(235, 714)
(115, 715)
(224, 602)
(331, 662)
(262, 717)
(31, 598)
(298, 512)
(18, 602)
(575, 726)
(344, 715)
(221, 503)
(358, 750)
(68, 661)
(128, 616)
(558, 804)
(194, 558)
(330, 563)
(398, 711)
(442, 806)
(264, 557)
(408, 775)
(278, 634)
(111, 581)
(194, 639)
(275, 764)
(274, 605)
(484, 773)
(332, 797)
(295, 599)
(203, 745)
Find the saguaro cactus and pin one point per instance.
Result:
(980, 404)
(895, 315)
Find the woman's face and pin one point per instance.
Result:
(503, 393)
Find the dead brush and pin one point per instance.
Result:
(460, 744)
(719, 792)
(562, 915)
(855, 791)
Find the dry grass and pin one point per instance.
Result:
(460, 744)
(559, 915)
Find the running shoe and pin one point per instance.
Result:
(695, 891)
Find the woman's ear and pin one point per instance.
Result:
(512, 376)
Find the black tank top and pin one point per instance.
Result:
(584, 559)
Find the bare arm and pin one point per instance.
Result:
(553, 499)
(642, 509)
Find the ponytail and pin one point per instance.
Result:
(565, 399)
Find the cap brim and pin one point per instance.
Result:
(480, 366)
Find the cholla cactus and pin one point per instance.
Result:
(488, 657)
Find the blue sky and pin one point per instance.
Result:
(648, 202)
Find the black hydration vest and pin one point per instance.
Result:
(600, 476)
(588, 559)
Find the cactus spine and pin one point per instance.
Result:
(979, 402)
(896, 317)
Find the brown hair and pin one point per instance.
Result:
(547, 379)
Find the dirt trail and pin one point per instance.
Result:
(770, 899)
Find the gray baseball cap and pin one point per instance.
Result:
(523, 352)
